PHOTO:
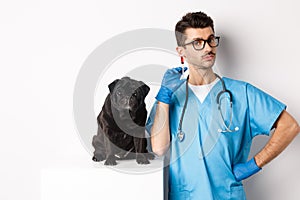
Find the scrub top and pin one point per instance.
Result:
(200, 166)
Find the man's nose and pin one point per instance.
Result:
(207, 48)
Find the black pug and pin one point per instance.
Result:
(121, 124)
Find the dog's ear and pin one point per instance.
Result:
(112, 85)
(145, 88)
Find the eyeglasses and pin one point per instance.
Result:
(199, 44)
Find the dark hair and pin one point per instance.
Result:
(191, 20)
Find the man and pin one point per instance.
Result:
(206, 138)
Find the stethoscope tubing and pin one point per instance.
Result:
(181, 135)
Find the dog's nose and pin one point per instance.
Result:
(126, 99)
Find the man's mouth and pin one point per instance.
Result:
(210, 56)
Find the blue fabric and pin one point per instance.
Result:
(201, 165)
(242, 171)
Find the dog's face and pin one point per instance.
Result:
(127, 93)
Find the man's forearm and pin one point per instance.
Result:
(160, 133)
(286, 128)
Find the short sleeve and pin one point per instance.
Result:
(263, 110)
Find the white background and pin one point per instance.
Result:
(44, 43)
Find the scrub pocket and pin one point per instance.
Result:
(237, 193)
(180, 195)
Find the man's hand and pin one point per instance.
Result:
(170, 83)
(242, 171)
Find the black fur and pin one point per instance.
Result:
(121, 124)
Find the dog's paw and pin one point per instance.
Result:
(111, 160)
(141, 159)
(95, 159)
(150, 156)
(98, 158)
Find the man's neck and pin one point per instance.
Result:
(201, 76)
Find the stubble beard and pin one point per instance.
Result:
(204, 65)
(204, 69)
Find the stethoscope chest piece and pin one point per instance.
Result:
(180, 136)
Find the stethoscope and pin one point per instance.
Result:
(181, 134)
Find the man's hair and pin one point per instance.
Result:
(191, 20)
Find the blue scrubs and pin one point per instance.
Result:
(201, 165)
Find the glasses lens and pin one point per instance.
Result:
(213, 41)
(198, 44)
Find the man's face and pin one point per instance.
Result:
(199, 59)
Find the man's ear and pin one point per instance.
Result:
(180, 51)
(112, 85)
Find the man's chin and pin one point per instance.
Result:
(208, 64)
(204, 67)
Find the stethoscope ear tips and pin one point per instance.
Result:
(236, 128)
(183, 75)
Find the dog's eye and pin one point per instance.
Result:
(134, 94)
(118, 93)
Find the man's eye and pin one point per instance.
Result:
(198, 42)
(211, 39)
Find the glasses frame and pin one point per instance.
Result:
(205, 41)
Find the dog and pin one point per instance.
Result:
(121, 124)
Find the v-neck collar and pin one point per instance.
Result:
(209, 99)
